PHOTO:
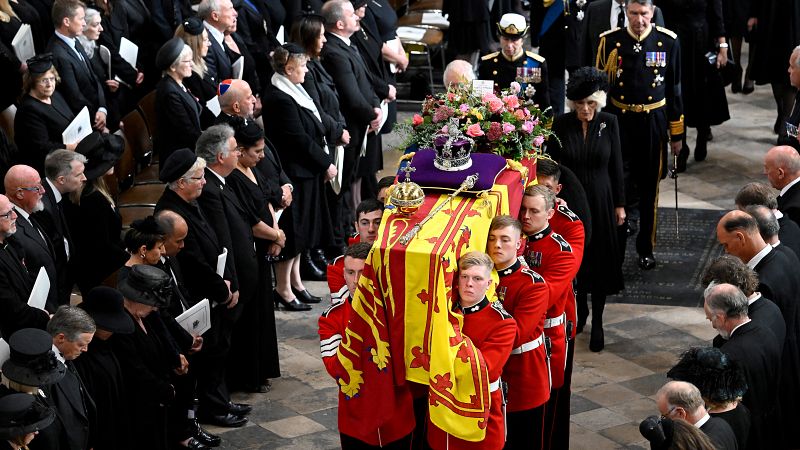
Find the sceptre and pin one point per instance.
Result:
(674, 176)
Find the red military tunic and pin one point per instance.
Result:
(569, 225)
(332, 326)
(525, 296)
(492, 330)
(550, 255)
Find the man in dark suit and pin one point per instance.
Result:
(184, 173)
(236, 102)
(218, 16)
(756, 193)
(64, 175)
(682, 400)
(601, 16)
(79, 85)
(72, 330)
(769, 229)
(25, 190)
(15, 282)
(782, 167)
(756, 350)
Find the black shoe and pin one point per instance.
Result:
(305, 296)
(226, 420)
(777, 127)
(683, 156)
(211, 440)
(289, 305)
(701, 148)
(239, 409)
(309, 270)
(583, 314)
(597, 341)
(647, 262)
(193, 444)
(736, 84)
(748, 87)
(319, 258)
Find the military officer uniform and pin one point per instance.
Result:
(525, 296)
(526, 68)
(645, 95)
(492, 331)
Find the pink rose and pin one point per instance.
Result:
(495, 105)
(538, 141)
(519, 114)
(527, 126)
(445, 130)
(536, 121)
(527, 113)
(474, 130)
(515, 87)
(508, 128)
(417, 120)
(464, 108)
(451, 96)
(488, 97)
(511, 101)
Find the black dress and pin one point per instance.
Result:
(38, 127)
(739, 420)
(698, 24)
(776, 35)
(597, 162)
(256, 326)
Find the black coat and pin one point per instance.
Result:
(38, 127)
(597, 162)
(255, 30)
(777, 33)
(217, 61)
(249, 70)
(765, 313)
(789, 203)
(96, 227)
(322, 89)
(739, 421)
(789, 234)
(756, 350)
(198, 258)
(203, 90)
(38, 253)
(76, 413)
(54, 224)
(272, 171)
(720, 433)
(178, 117)
(15, 288)
(79, 84)
(596, 20)
(101, 374)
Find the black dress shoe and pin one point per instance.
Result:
(289, 305)
(226, 420)
(194, 444)
(305, 296)
(647, 262)
(319, 258)
(597, 341)
(211, 440)
(683, 156)
(309, 270)
(710, 136)
(239, 409)
(701, 148)
(748, 87)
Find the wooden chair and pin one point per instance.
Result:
(432, 40)
(147, 106)
(125, 168)
(417, 18)
(138, 137)
(426, 6)
(130, 213)
(141, 195)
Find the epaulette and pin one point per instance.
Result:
(498, 306)
(669, 33)
(565, 247)
(490, 56)
(535, 56)
(335, 305)
(609, 31)
(563, 209)
(534, 276)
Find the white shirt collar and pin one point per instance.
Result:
(737, 327)
(759, 256)
(219, 36)
(753, 298)
(791, 183)
(217, 175)
(70, 41)
(702, 421)
(22, 212)
(344, 39)
(778, 214)
(56, 192)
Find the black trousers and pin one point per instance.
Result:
(351, 443)
(525, 429)
(212, 388)
(558, 408)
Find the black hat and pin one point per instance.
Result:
(105, 306)
(40, 64)
(176, 165)
(512, 26)
(294, 49)
(21, 414)
(102, 152)
(248, 133)
(658, 431)
(585, 82)
(32, 361)
(358, 3)
(719, 378)
(147, 285)
(194, 26)
(168, 53)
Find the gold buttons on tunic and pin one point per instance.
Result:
(649, 97)
(622, 97)
(619, 45)
(494, 72)
(494, 60)
(620, 84)
(653, 84)
(660, 44)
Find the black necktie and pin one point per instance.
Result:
(621, 16)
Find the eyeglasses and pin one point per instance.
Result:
(8, 215)
(666, 416)
(187, 61)
(36, 189)
(46, 81)
(195, 178)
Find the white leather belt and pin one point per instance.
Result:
(494, 385)
(555, 321)
(528, 346)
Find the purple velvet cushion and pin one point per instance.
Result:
(486, 165)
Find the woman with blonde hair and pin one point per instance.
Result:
(195, 35)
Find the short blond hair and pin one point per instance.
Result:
(475, 258)
(540, 190)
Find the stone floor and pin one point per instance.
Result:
(613, 389)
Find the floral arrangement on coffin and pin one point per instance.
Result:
(504, 125)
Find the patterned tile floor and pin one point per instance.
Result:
(612, 390)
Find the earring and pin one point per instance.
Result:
(142, 255)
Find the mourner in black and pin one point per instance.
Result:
(643, 66)
(21, 418)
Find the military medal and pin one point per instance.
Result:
(658, 80)
(650, 59)
(501, 294)
(661, 59)
(534, 259)
(637, 47)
